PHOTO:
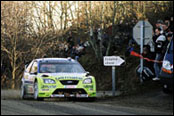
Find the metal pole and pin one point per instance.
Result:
(113, 80)
(141, 50)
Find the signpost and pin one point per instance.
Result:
(113, 61)
(142, 29)
(142, 34)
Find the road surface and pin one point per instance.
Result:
(11, 104)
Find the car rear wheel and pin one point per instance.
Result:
(36, 92)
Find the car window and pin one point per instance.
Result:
(29, 67)
(34, 67)
(61, 68)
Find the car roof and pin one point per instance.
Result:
(56, 60)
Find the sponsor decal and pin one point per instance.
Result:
(49, 86)
(62, 78)
(70, 86)
(88, 86)
(45, 89)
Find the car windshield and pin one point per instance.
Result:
(61, 68)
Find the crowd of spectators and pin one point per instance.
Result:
(163, 33)
(162, 36)
(74, 50)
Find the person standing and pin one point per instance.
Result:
(159, 44)
(159, 24)
(70, 43)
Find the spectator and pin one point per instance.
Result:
(105, 39)
(165, 28)
(171, 24)
(73, 52)
(2, 68)
(130, 47)
(148, 70)
(167, 21)
(70, 41)
(78, 41)
(159, 43)
(169, 37)
(65, 47)
(159, 25)
(86, 44)
(80, 49)
(148, 54)
(156, 34)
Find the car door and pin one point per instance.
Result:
(32, 75)
(26, 78)
(26, 73)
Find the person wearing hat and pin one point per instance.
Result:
(169, 36)
(159, 44)
(166, 28)
(159, 25)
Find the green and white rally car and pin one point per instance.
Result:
(57, 77)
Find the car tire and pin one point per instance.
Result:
(23, 92)
(166, 90)
(35, 96)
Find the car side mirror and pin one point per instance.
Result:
(87, 73)
(26, 65)
(34, 73)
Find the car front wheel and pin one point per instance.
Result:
(23, 93)
(36, 92)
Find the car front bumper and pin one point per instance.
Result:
(79, 91)
(71, 95)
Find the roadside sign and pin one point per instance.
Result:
(147, 30)
(142, 34)
(113, 61)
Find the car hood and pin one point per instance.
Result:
(65, 76)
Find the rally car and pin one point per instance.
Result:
(57, 77)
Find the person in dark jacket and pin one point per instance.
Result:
(148, 70)
(169, 36)
(159, 24)
(148, 54)
(159, 44)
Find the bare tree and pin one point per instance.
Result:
(113, 28)
(13, 31)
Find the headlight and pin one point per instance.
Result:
(87, 81)
(167, 65)
(49, 81)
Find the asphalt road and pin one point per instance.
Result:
(12, 105)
